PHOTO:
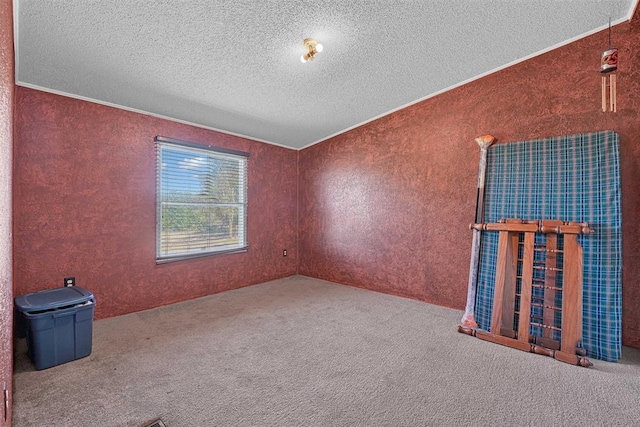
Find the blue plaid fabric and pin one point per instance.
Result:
(570, 178)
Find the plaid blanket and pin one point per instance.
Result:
(571, 178)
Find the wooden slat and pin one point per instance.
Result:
(545, 342)
(509, 333)
(538, 349)
(555, 288)
(503, 271)
(498, 339)
(565, 357)
(571, 295)
(509, 295)
(550, 283)
(546, 226)
(542, 325)
(492, 226)
(525, 291)
(547, 307)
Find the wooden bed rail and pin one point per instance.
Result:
(543, 226)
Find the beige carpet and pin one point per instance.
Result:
(305, 352)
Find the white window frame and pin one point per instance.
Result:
(207, 243)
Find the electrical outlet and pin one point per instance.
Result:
(284, 252)
(69, 281)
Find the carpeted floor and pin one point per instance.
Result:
(305, 352)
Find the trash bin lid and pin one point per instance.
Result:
(53, 298)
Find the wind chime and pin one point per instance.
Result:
(608, 67)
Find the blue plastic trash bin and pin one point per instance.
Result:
(58, 324)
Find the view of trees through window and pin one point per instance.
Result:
(201, 201)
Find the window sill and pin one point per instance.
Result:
(170, 259)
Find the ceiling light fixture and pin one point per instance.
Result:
(312, 47)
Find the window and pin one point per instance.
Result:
(201, 200)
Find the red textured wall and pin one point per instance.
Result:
(7, 82)
(84, 206)
(386, 206)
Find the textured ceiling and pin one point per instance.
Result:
(234, 65)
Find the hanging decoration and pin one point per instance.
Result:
(608, 67)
